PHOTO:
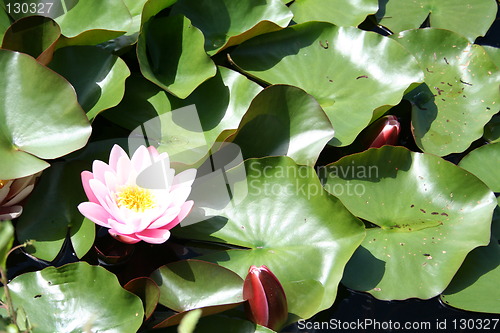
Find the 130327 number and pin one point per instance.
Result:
(29, 8)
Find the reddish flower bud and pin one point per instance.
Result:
(266, 304)
(384, 131)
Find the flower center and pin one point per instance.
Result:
(135, 198)
(3, 182)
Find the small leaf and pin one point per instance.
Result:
(97, 76)
(171, 54)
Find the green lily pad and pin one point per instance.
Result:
(226, 22)
(39, 116)
(460, 94)
(4, 22)
(339, 12)
(324, 60)
(483, 162)
(191, 284)
(135, 8)
(97, 76)
(52, 210)
(429, 214)
(147, 290)
(446, 14)
(494, 53)
(220, 103)
(475, 286)
(171, 54)
(287, 222)
(76, 298)
(284, 120)
(34, 35)
(76, 17)
(6, 240)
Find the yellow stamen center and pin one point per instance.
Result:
(135, 198)
(3, 183)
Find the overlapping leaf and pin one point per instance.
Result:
(35, 35)
(226, 22)
(76, 298)
(284, 120)
(474, 287)
(39, 116)
(288, 223)
(350, 72)
(97, 76)
(171, 54)
(51, 214)
(460, 94)
(429, 214)
(446, 14)
(338, 12)
(483, 162)
(92, 21)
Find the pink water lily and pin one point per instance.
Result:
(12, 193)
(131, 212)
(384, 131)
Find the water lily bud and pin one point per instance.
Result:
(384, 131)
(12, 193)
(266, 298)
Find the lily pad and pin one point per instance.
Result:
(220, 104)
(494, 53)
(286, 221)
(77, 16)
(338, 12)
(324, 60)
(40, 116)
(460, 93)
(483, 162)
(97, 76)
(171, 54)
(4, 22)
(492, 129)
(446, 14)
(284, 120)
(227, 22)
(421, 238)
(34, 35)
(475, 286)
(68, 299)
(192, 284)
(148, 291)
(51, 213)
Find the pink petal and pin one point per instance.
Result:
(123, 170)
(9, 213)
(19, 184)
(141, 159)
(179, 196)
(95, 213)
(122, 228)
(153, 152)
(185, 178)
(168, 216)
(101, 192)
(99, 168)
(86, 177)
(128, 239)
(185, 210)
(154, 236)
(114, 156)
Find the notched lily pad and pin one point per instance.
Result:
(460, 93)
(324, 60)
(427, 214)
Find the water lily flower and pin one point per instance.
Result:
(267, 305)
(12, 192)
(131, 212)
(384, 131)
